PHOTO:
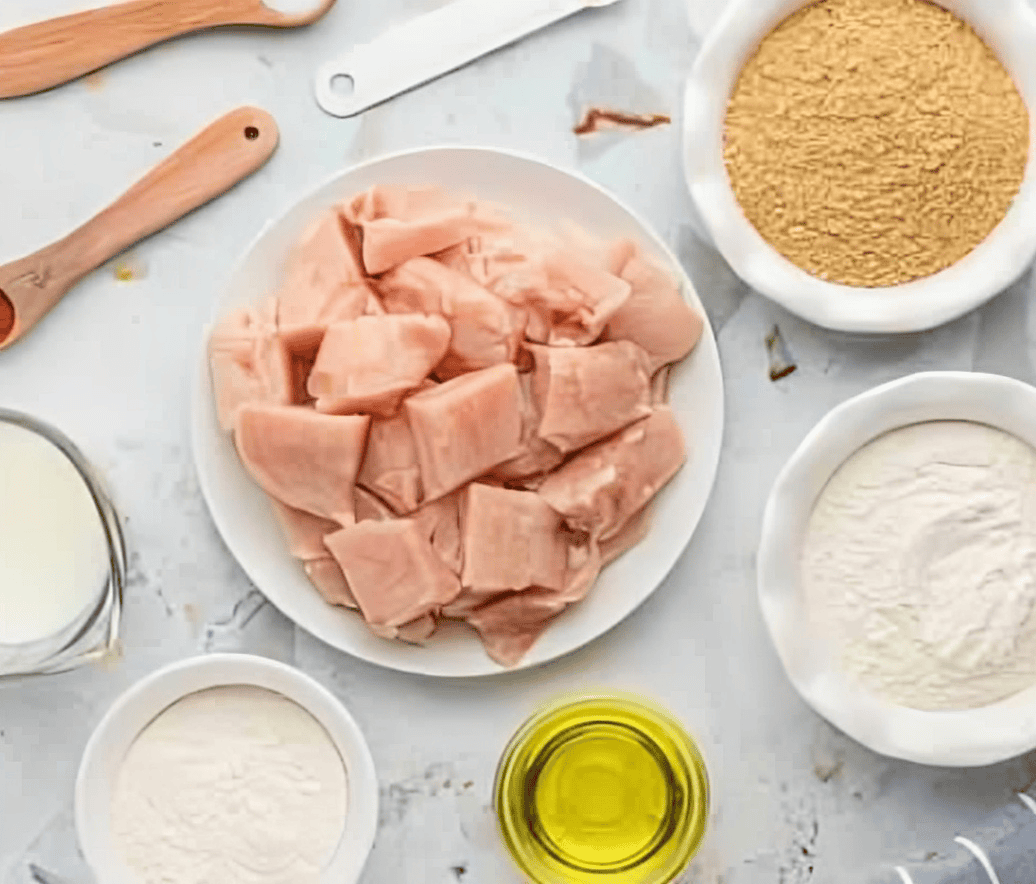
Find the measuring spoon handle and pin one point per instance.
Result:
(431, 45)
(43, 55)
(208, 165)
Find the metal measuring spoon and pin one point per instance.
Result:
(212, 162)
(40, 56)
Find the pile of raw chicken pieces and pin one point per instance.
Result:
(456, 416)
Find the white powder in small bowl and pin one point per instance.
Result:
(920, 564)
(235, 785)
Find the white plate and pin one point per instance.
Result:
(151, 696)
(966, 738)
(1009, 27)
(536, 191)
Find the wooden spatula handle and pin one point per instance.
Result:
(40, 56)
(208, 165)
(216, 159)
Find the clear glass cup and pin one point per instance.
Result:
(93, 635)
(602, 789)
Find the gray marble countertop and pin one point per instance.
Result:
(795, 801)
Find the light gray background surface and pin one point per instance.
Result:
(794, 800)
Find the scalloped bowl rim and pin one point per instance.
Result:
(958, 738)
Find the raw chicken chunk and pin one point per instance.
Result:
(465, 427)
(610, 256)
(584, 567)
(455, 257)
(400, 225)
(329, 581)
(597, 294)
(511, 541)
(601, 488)
(509, 626)
(569, 286)
(417, 631)
(439, 521)
(401, 203)
(660, 385)
(414, 633)
(655, 316)
(589, 556)
(537, 455)
(392, 571)
(485, 329)
(303, 531)
(369, 363)
(412, 287)
(390, 467)
(371, 507)
(627, 537)
(249, 363)
(302, 345)
(238, 379)
(587, 393)
(306, 460)
(325, 281)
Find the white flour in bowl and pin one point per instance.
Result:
(235, 785)
(920, 563)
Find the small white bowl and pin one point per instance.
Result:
(142, 703)
(966, 738)
(1009, 28)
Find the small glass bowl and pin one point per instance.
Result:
(604, 789)
(93, 635)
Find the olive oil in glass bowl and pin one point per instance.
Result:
(603, 789)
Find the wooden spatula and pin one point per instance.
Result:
(40, 56)
(208, 165)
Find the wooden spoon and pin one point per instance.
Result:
(208, 165)
(40, 56)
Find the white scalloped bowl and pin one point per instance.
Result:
(965, 738)
(151, 696)
(1009, 28)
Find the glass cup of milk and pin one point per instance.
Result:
(62, 554)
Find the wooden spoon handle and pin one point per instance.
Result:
(47, 54)
(208, 165)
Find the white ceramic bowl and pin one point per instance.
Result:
(1009, 28)
(966, 738)
(536, 191)
(142, 703)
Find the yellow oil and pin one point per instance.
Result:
(603, 789)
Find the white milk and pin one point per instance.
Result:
(54, 559)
